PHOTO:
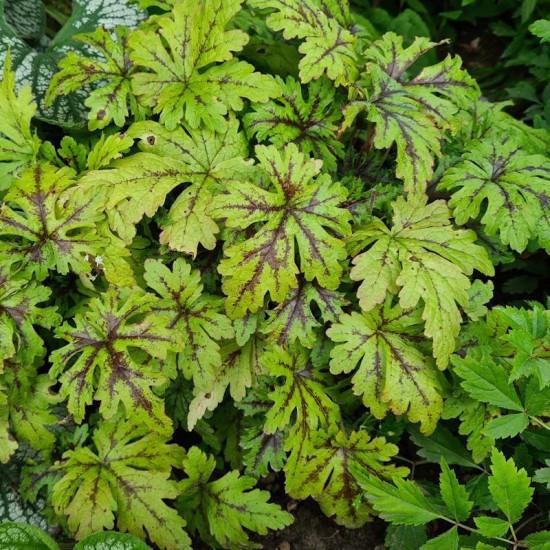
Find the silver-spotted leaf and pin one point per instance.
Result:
(27, 17)
(37, 66)
(22, 536)
(111, 541)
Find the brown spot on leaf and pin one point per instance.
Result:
(101, 114)
(151, 140)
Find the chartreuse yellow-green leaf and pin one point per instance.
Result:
(235, 374)
(425, 261)
(301, 397)
(416, 112)
(45, 226)
(19, 312)
(18, 144)
(8, 444)
(186, 71)
(26, 401)
(122, 481)
(115, 353)
(506, 188)
(204, 161)
(193, 315)
(329, 46)
(301, 404)
(222, 509)
(327, 475)
(392, 373)
(213, 161)
(299, 221)
(307, 118)
(296, 318)
(110, 65)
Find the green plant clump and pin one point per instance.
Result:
(239, 239)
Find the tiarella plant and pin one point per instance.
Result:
(218, 262)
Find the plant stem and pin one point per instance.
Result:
(57, 15)
(540, 422)
(515, 542)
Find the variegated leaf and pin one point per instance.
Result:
(299, 218)
(189, 72)
(423, 259)
(393, 373)
(36, 68)
(115, 355)
(124, 480)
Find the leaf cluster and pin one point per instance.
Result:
(228, 264)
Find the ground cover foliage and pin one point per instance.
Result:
(239, 238)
